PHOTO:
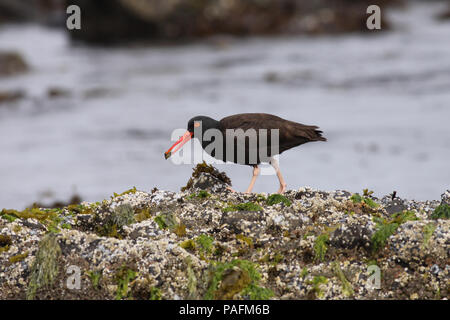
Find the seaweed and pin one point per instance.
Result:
(188, 245)
(48, 217)
(123, 215)
(192, 279)
(278, 198)
(155, 293)
(247, 206)
(123, 277)
(5, 243)
(168, 221)
(428, 231)
(316, 282)
(442, 211)
(304, 272)
(386, 228)
(18, 257)
(238, 276)
(347, 288)
(365, 199)
(130, 191)
(202, 194)
(246, 240)
(205, 243)
(95, 277)
(81, 209)
(321, 247)
(45, 266)
(142, 214)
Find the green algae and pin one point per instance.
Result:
(278, 198)
(42, 216)
(48, 217)
(357, 198)
(382, 233)
(246, 240)
(18, 257)
(76, 209)
(238, 276)
(95, 277)
(202, 194)
(155, 293)
(192, 279)
(304, 272)
(167, 221)
(123, 277)
(5, 243)
(142, 214)
(205, 243)
(428, 231)
(442, 211)
(272, 259)
(45, 266)
(130, 191)
(188, 245)
(122, 215)
(316, 282)
(347, 288)
(386, 228)
(321, 247)
(8, 217)
(246, 206)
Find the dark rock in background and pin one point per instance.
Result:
(112, 22)
(11, 96)
(49, 12)
(12, 63)
(446, 14)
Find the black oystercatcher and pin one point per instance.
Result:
(248, 138)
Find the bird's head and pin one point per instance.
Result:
(195, 129)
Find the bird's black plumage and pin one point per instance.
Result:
(290, 133)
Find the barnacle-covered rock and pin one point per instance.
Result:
(213, 244)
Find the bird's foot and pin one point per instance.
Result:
(282, 189)
(230, 189)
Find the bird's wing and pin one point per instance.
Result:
(289, 132)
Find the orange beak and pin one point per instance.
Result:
(185, 138)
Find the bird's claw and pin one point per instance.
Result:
(230, 189)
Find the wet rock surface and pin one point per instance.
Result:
(199, 244)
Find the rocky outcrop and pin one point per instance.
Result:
(156, 20)
(210, 243)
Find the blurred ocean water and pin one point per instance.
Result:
(383, 102)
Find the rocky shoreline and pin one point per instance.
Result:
(208, 243)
